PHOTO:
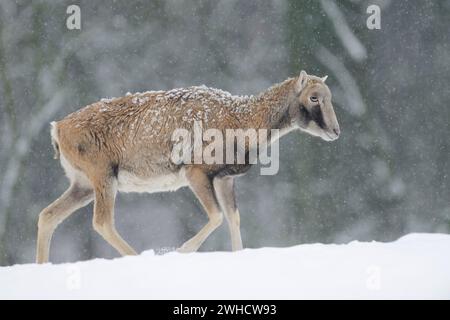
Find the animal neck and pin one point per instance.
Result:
(271, 108)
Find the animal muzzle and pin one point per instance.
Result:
(332, 129)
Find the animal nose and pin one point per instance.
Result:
(337, 131)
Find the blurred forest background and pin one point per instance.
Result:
(387, 175)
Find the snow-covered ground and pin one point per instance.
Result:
(415, 266)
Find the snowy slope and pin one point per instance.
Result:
(415, 266)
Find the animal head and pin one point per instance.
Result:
(311, 108)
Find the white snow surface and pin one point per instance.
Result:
(415, 266)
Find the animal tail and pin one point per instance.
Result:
(54, 135)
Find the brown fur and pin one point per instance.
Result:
(123, 144)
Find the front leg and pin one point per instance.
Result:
(203, 189)
(224, 188)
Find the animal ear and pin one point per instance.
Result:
(301, 81)
(324, 78)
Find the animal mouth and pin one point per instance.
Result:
(331, 137)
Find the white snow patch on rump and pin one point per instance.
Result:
(415, 266)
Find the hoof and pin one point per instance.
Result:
(184, 249)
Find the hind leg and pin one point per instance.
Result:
(74, 198)
(105, 195)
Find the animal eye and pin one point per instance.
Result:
(313, 99)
